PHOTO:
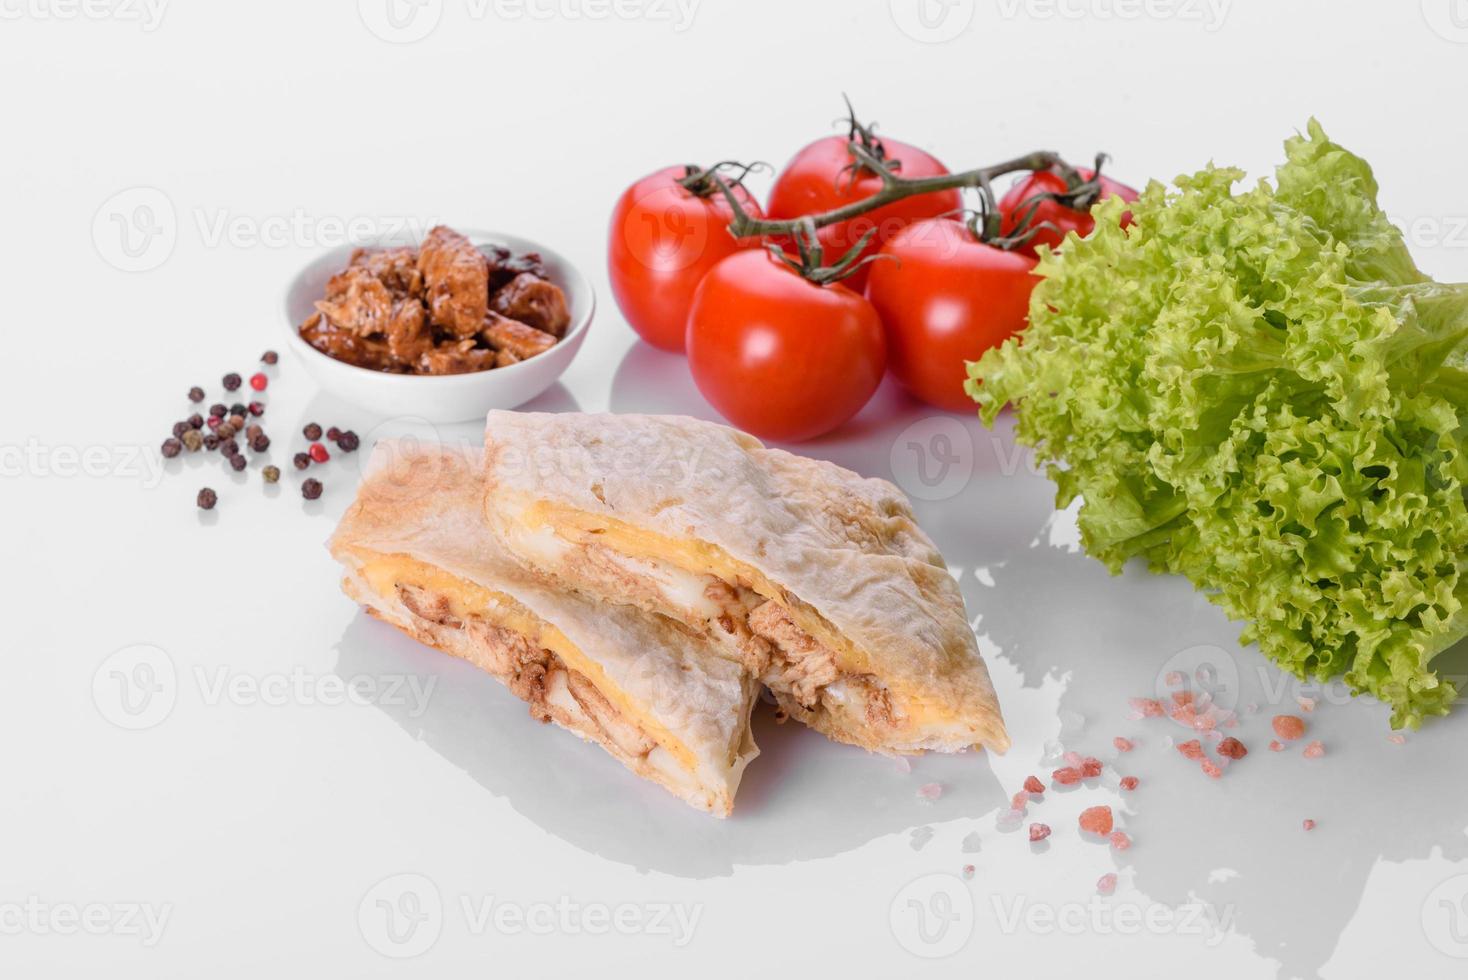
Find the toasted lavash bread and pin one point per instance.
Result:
(417, 555)
(656, 497)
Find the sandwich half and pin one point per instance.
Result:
(816, 579)
(649, 690)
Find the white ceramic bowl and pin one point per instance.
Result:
(439, 398)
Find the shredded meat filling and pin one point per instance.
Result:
(804, 666)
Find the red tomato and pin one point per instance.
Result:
(946, 299)
(818, 179)
(1012, 206)
(779, 356)
(663, 240)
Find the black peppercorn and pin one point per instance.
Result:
(226, 430)
(251, 431)
(231, 382)
(238, 408)
(237, 461)
(348, 442)
(207, 499)
(179, 428)
(260, 443)
(229, 447)
(217, 411)
(302, 460)
(271, 474)
(171, 448)
(196, 421)
(269, 357)
(311, 489)
(211, 442)
(333, 434)
(196, 394)
(312, 432)
(256, 408)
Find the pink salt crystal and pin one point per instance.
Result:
(1033, 786)
(1122, 744)
(1074, 758)
(1289, 727)
(1232, 748)
(1090, 768)
(1182, 697)
(1211, 769)
(1038, 832)
(1146, 707)
(1021, 799)
(1066, 776)
(1314, 750)
(1106, 884)
(1192, 749)
(1129, 783)
(1276, 746)
(930, 791)
(1120, 841)
(1309, 824)
(1204, 723)
(1175, 678)
(1306, 704)
(1396, 739)
(1096, 820)
(968, 870)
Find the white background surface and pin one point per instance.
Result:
(262, 825)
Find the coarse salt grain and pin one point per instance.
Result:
(1211, 769)
(1232, 748)
(1123, 744)
(1020, 800)
(1129, 783)
(1175, 678)
(1033, 786)
(1074, 759)
(1289, 727)
(1192, 749)
(1066, 776)
(1314, 750)
(1275, 745)
(930, 791)
(1038, 832)
(1306, 704)
(1308, 825)
(1182, 697)
(968, 870)
(1096, 820)
(1396, 739)
(1009, 819)
(1090, 768)
(1120, 841)
(1146, 707)
(1106, 884)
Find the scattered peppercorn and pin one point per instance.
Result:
(301, 460)
(271, 474)
(231, 382)
(258, 381)
(226, 430)
(237, 461)
(238, 420)
(348, 442)
(192, 440)
(312, 432)
(260, 443)
(238, 408)
(196, 421)
(207, 499)
(269, 357)
(196, 394)
(211, 442)
(256, 408)
(171, 448)
(217, 411)
(214, 422)
(179, 428)
(252, 430)
(318, 453)
(229, 447)
(333, 433)
(311, 489)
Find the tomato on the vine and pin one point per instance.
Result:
(945, 297)
(663, 239)
(825, 176)
(1065, 219)
(778, 355)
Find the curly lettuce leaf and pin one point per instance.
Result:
(1259, 390)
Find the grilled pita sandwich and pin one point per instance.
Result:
(647, 689)
(818, 580)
